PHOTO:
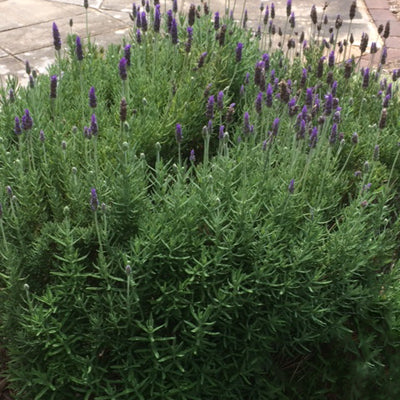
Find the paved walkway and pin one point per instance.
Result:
(25, 26)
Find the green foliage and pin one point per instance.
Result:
(265, 269)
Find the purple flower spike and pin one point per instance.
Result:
(53, 86)
(139, 36)
(56, 37)
(92, 98)
(202, 59)
(269, 97)
(122, 69)
(292, 20)
(157, 18)
(272, 10)
(313, 137)
(220, 100)
(79, 51)
(302, 130)
(365, 78)
(309, 97)
(94, 201)
(288, 7)
(210, 108)
(354, 138)
(291, 186)
(17, 126)
(127, 54)
(42, 137)
(175, 6)
(26, 121)
(143, 21)
(275, 126)
(239, 49)
(331, 59)
(216, 21)
(174, 31)
(93, 125)
(384, 56)
(221, 133)
(178, 133)
(258, 103)
(246, 124)
(328, 104)
(192, 156)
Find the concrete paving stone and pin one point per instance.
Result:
(376, 4)
(40, 59)
(11, 66)
(40, 35)
(105, 39)
(119, 5)
(92, 3)
(3, 53)
(25, 13)
(118, 15)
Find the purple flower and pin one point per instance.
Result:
(178, 133)
(143, 21)
(221, 133)
(328, 104)
(216, 21)
(42, 137)
(138, 19)
(367, 187)
(87, 132)
(210, 108)
(86, 3)
(93, 125)
(354, 138)
(79, 51)
(138, 36)
(291, 186)
(220, 100)
(334, 88)
(292, 20)
(384, 55)
(275, 126)
(92, 98)
(157, 18)
(202, 59)
(26, 121)
(365, 78)
(239, 49)
(127, 54)
(246, 124)
(309, 97)
(302, 130)
(174, 31)
(169, 20)
(269, 97)
(175, 6)
(331, 59)
(122, 69)
(56, 37)
(272, 10)
(53, 86)
(288, 7)
(17, 126)
(266, 15)
(358, 174)
(386, 100)
(192, 156)
(258, 103)
(188, 44)
(94, 202)
(313, 137)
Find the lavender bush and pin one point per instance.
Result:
(186, 216)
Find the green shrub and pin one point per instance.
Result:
(262, 266)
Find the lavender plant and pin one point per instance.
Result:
(200, 233)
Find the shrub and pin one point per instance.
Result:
(260, 263)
